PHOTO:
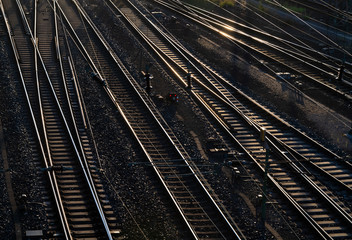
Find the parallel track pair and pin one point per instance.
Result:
(295, 55)
(294, 156)
(182, 180)
(65, 152)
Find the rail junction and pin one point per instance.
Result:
(127, 129)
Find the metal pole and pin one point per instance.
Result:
(263, 215)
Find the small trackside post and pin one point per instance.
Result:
(263, 207)
(148, 79)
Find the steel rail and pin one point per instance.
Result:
(299, 30)
(159, 123)
(313, 28)
(213, 19)
(206, 16)
(240, 42)
(329, 7)
(74, 122)
(322, 233)
(220, 21)
(112, 97)
(119, 108)
(274, 142)
(158, 53)
(83, 165)
(84, 117)
(337, 62)
(276, 147)
(281, 155)
(74, 75)
(228, 85)
(154, 47)
(223, 82)
(51, 176)
(340, 210)
(334, 156)
(189, 57)
(177, 48)
(290, 126)
(193, 171)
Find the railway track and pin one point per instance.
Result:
(301, 169)
(22, 44)
(297, 57)
(65, 154)
(184, 183)
(294, 158)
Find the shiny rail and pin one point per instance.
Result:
(315, 66)
(50, 110)
(161, 153)
(278, 146)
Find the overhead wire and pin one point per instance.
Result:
(257, 185)
(333, 10)
(326, 109)
(104, 174)
(313, 28)
(284, 31)
(276, 209)
(328, 5)
(91, 42)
